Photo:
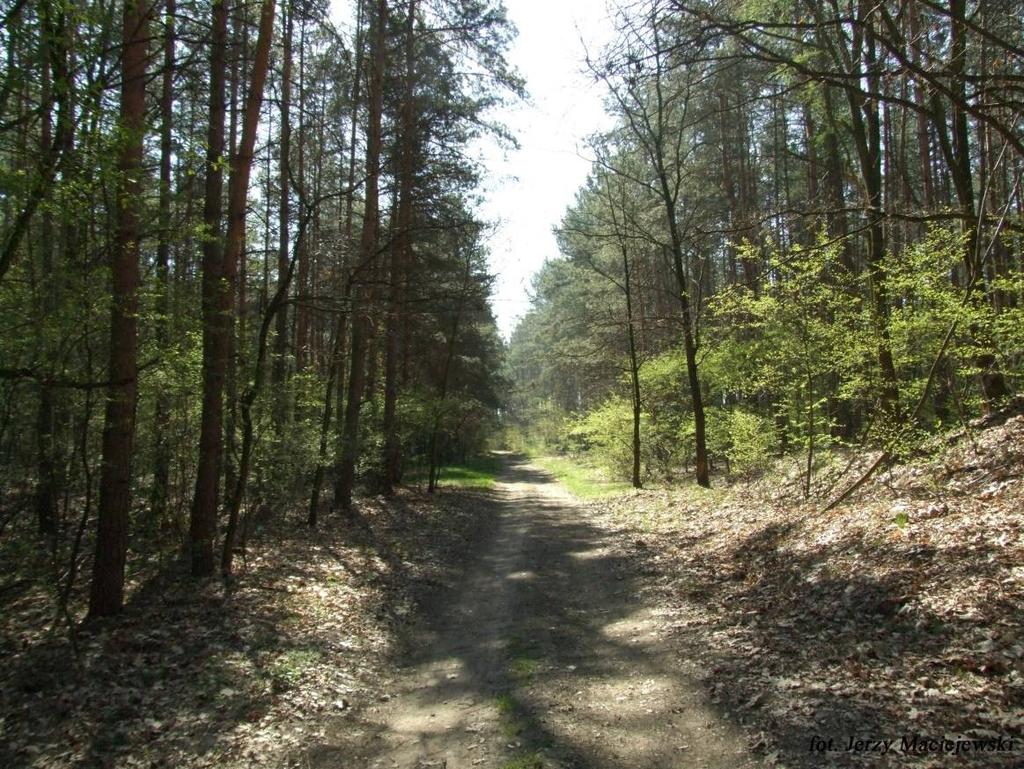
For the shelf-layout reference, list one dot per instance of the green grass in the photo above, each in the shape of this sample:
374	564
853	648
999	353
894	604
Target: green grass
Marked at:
523	667
508	713
531	761
506	705
477	473
287	671
584	481
523	660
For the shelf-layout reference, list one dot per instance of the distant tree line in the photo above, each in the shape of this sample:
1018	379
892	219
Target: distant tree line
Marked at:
804	229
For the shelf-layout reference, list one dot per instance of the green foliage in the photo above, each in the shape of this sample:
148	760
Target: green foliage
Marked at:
479	472
538	427
751	440
531	761
931	304
581	478
794	340
605	433
287	671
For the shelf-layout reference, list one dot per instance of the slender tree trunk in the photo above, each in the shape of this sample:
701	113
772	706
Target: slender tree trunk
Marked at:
652	127
957	152
400	255
334	373
238	189
53	26
634	362
346	269
701	466
346	470
203	521
46	446
866	128
433	476
634	371
283	213
838	223
239	52
302	248
162	408
236	493
107	590
349	455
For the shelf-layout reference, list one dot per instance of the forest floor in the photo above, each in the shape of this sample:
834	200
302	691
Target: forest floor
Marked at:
519	628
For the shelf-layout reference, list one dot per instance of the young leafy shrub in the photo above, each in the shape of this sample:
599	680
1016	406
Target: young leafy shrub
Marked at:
668	428
286	451
806	343
930	304
539	427
751	441
606	434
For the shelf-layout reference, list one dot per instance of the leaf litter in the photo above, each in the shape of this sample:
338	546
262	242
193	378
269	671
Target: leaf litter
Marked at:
896	614
245	674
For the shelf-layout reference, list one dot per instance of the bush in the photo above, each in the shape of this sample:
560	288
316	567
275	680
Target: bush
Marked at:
606	434
751	441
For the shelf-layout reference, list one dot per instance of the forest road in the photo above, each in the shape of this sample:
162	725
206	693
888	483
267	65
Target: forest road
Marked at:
544	656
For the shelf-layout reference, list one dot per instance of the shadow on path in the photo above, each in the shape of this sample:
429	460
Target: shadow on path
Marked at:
541	655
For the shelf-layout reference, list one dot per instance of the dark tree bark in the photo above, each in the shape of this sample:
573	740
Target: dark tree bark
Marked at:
107	590
634	361
346	469
401	252
46	446
661	137
344	314
162	410
238	189
334	374
54	28
279	371
203	521
956	148
867	138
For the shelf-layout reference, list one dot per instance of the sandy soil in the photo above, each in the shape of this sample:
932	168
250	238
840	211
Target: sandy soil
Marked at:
543	655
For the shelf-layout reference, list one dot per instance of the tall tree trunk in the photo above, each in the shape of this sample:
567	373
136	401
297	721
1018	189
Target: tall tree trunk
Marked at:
236	494
345	480
400	255
866	131
345	313
162	408
634	361
302	241
107	590
838	224
634	369
203	521
283	214
238	189
46	446
958	157
701	465
238	52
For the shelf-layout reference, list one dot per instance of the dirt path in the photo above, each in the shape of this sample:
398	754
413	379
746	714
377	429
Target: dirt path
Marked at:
543	656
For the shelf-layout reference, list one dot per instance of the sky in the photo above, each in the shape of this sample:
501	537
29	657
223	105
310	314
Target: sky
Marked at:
527	190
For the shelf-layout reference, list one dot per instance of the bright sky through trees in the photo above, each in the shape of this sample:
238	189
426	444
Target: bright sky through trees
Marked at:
528	190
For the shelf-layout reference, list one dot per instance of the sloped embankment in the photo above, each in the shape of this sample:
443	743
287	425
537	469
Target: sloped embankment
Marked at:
895	616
